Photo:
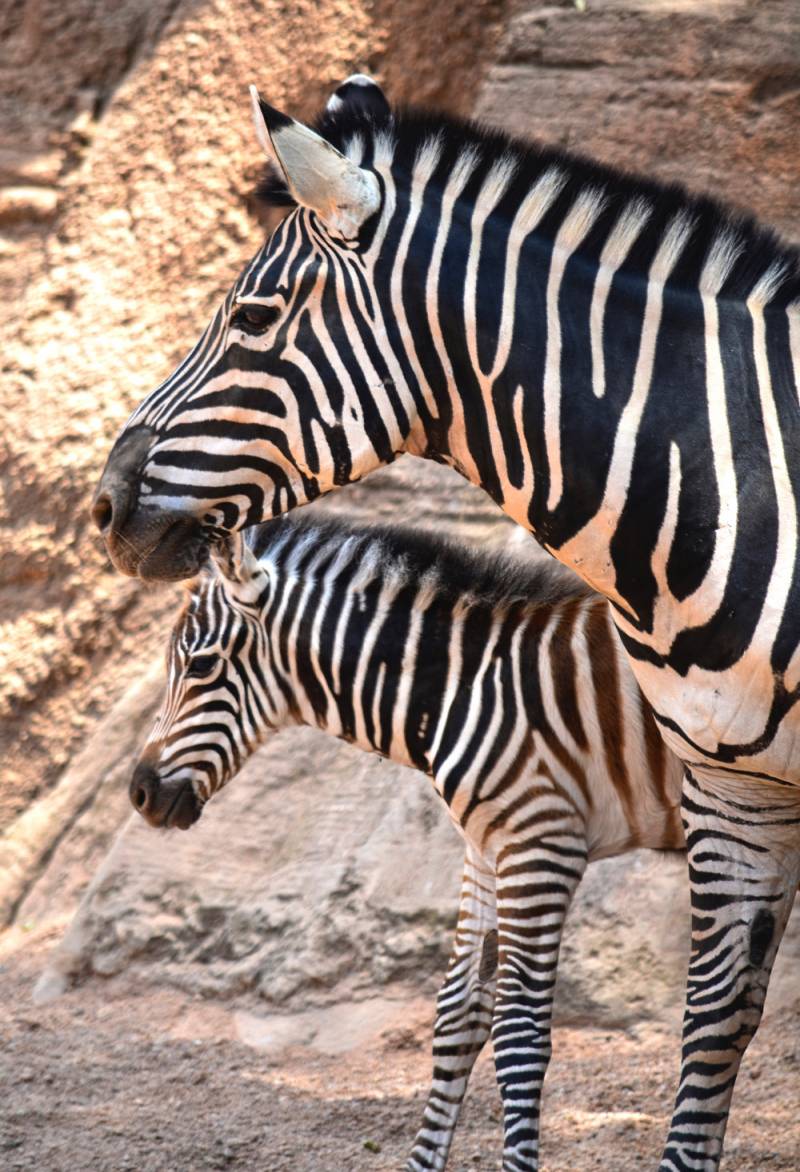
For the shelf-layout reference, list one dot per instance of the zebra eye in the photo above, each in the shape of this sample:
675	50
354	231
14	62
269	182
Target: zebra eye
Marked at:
201	665
254	319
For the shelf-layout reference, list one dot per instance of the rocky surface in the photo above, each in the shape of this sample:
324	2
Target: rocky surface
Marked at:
322	874
707	94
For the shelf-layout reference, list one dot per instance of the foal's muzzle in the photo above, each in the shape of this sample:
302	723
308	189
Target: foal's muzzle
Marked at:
163	803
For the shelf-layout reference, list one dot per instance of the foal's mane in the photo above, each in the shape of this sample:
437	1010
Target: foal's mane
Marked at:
456	570
761	254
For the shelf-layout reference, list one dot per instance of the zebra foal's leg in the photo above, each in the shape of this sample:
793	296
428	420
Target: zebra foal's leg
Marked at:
535	885
463	1017
744	863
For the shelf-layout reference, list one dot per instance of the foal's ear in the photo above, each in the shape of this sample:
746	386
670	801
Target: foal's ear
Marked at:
342	194
240	569
227	554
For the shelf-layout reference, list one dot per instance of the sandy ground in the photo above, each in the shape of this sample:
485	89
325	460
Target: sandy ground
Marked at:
114	1077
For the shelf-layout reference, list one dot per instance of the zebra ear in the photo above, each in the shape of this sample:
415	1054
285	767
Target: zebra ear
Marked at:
238	566
227	553
342	194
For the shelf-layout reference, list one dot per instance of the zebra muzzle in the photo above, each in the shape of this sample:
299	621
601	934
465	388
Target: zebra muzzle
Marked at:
143	540
166	804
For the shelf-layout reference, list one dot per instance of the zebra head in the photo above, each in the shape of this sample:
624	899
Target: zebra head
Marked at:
290	391
221	698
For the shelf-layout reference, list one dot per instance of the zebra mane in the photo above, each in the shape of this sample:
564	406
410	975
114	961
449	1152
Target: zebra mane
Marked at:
453	569
760	259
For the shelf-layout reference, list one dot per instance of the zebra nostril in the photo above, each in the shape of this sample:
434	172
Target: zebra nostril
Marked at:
103	512
144	790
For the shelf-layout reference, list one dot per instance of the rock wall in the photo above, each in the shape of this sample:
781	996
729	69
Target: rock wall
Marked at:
322	874
707	94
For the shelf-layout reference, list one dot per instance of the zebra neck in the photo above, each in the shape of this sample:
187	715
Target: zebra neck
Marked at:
606	396
345	655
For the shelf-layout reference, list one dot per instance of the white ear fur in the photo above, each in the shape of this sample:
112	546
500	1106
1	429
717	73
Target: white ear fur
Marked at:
241	572
227	555
260	126
342	194
250	567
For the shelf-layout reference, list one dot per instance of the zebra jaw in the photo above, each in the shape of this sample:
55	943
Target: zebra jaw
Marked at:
319	177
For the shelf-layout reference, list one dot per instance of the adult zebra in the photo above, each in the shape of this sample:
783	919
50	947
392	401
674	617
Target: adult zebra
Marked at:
502	681
617	364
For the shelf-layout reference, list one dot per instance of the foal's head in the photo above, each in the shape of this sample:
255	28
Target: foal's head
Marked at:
220	699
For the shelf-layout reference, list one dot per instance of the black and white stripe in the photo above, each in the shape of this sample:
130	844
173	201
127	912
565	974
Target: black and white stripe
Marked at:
616	362
505	684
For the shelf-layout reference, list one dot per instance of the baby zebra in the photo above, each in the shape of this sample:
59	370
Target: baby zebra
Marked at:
504	682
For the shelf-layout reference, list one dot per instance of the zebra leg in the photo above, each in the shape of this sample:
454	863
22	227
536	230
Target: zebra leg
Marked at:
463	1017
744	862
535	885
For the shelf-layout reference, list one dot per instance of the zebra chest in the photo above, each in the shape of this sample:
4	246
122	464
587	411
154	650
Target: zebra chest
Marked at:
721	665
745	719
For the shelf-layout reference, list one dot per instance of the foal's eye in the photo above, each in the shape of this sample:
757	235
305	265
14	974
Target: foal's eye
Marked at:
201	665
253	318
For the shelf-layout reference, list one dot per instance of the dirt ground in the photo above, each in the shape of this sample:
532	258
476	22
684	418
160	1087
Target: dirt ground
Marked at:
116	1076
